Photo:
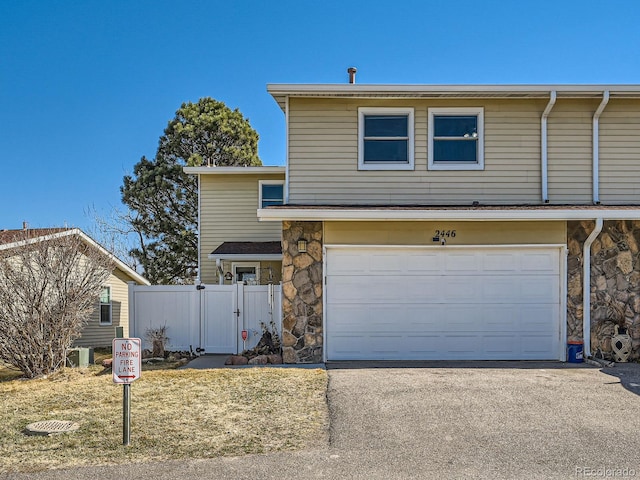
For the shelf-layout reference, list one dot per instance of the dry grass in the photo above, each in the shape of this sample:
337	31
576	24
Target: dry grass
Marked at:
174	414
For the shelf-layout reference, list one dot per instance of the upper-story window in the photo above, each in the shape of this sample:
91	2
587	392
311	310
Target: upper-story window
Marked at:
456	138
105	306
271	193
385	138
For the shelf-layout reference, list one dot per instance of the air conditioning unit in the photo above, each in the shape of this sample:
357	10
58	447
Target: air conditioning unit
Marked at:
79	357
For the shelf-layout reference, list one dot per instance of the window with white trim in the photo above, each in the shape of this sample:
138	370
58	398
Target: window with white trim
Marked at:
385	138
456	138
271	193
105	306
246	272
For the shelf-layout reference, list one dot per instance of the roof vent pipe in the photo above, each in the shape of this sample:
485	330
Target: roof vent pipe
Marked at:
352	74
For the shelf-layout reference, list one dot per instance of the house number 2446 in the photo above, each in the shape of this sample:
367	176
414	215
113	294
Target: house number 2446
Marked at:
445	233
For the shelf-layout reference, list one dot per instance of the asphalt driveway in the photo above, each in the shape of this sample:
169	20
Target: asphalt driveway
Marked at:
455	420
487	420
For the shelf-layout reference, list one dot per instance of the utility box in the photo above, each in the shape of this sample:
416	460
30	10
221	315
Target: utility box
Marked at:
79	357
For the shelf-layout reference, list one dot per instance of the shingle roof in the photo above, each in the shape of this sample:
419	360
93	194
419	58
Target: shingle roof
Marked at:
248	248
10	236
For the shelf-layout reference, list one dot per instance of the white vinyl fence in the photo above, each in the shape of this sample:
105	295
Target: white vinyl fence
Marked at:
206	317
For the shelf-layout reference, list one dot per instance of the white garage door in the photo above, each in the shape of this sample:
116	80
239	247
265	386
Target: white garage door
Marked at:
452	303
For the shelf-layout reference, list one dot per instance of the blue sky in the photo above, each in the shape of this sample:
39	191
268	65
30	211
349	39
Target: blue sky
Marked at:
87	87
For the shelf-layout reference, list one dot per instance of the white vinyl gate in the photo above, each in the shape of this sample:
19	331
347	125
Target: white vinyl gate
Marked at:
208	317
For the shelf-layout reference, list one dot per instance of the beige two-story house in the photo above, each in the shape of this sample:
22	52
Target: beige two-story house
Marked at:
233	245
452	221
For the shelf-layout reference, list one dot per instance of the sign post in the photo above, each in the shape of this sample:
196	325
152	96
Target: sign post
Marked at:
126	367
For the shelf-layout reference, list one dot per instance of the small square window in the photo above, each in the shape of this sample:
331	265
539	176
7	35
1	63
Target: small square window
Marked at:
105	306
456	139
385	139
271	193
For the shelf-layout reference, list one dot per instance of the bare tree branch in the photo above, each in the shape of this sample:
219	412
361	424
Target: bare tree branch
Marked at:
48	291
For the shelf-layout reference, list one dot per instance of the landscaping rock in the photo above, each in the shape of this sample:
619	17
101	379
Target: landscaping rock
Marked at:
259	360
274	359
236	360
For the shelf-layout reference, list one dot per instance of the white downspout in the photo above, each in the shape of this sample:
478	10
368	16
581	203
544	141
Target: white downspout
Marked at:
286	150
199	276
596	147
586	287
543	147
220	271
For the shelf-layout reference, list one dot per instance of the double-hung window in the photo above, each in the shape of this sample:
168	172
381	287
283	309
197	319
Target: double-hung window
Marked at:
105	306
456	139
271	193
385	138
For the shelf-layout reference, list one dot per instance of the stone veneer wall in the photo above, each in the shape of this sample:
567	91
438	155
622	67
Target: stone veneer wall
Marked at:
302	293
615	280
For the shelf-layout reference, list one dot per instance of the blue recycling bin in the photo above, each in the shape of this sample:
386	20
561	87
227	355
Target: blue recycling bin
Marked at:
575	352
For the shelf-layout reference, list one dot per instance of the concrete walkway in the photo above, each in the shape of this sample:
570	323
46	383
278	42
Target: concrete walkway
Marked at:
489	420
217	361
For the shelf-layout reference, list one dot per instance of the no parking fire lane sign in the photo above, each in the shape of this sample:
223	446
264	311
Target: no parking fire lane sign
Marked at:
127	359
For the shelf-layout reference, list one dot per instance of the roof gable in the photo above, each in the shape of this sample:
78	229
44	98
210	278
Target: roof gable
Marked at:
15	238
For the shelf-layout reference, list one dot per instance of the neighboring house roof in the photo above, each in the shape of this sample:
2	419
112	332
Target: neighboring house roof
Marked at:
467	213
10	236
235	170
281	92
16	238
248	251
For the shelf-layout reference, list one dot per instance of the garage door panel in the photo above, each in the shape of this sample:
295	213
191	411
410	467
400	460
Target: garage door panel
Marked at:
348	318
386	264
346	263
500	262
385	319
425	263
462	262
366	289
461	346
426	289
460	318
540	262
533	345
501	318
484	303
460	289
347	347
538	318
501	346
498	289
421	346
421	319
